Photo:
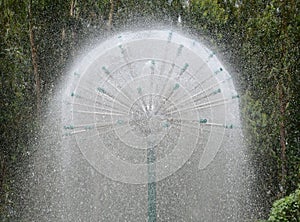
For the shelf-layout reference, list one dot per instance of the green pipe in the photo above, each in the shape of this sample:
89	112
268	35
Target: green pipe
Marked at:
151	183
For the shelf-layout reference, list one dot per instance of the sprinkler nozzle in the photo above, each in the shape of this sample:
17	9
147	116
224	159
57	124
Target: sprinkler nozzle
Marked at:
203	121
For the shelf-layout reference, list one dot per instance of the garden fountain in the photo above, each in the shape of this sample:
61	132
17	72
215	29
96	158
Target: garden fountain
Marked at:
150	132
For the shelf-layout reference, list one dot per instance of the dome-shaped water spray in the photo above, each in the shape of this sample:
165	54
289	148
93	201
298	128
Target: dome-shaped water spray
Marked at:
149	90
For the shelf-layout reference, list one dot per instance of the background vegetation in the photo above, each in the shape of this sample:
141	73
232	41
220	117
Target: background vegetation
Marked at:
259	38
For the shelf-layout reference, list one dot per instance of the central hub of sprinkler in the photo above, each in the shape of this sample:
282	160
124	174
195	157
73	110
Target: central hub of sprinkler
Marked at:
148	115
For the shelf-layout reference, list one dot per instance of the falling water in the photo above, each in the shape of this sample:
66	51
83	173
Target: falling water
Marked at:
145	127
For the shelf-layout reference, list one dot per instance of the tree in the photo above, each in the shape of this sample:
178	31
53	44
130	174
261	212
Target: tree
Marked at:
15	100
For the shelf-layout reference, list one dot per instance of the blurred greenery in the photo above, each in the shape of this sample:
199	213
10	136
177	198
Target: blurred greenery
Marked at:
259	38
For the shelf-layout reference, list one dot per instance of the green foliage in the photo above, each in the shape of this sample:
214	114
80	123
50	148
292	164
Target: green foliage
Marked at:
272	67
262	139
210	11
261	39
16	98
208	17
286	209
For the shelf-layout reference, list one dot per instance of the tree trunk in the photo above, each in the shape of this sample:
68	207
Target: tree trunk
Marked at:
110	16
72	7
2	176
282	104
283	97
34	61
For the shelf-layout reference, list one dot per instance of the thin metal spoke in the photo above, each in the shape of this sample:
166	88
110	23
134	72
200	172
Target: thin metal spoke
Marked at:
97	113
124	52
100	108
202	106
178	102
101	104
111	98
103	132
170	72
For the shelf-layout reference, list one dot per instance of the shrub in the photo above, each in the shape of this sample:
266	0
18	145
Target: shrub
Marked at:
286	209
